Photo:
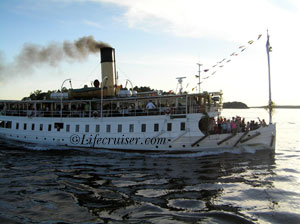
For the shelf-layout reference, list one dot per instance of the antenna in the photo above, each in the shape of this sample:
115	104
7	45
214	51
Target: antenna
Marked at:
180	84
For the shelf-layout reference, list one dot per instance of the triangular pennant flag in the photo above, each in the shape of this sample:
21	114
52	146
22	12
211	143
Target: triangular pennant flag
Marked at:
250	42
206	70
259	36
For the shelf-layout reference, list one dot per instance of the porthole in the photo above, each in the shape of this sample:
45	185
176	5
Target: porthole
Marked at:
170	146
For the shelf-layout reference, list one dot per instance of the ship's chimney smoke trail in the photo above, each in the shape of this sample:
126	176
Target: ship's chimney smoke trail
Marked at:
32	55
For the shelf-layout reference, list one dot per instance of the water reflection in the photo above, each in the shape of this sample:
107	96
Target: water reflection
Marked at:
89	186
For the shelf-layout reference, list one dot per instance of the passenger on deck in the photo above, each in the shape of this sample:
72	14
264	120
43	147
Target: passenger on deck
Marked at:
224	126
248	126
262	122
150	105
233	126
228	126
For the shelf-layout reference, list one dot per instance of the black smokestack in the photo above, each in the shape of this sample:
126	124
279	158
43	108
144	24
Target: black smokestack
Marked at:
33	55
107	54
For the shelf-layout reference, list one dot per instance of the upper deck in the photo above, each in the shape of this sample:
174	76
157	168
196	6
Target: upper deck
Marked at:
115	107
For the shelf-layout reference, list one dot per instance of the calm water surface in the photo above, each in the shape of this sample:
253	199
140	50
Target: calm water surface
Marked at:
75	186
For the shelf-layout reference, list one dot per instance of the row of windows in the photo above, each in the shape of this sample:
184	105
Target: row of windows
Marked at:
59	126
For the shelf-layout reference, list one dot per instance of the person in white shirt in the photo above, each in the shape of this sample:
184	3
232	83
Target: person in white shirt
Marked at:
150	105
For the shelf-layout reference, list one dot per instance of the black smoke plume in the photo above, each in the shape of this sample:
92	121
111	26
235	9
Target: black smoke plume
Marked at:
33	55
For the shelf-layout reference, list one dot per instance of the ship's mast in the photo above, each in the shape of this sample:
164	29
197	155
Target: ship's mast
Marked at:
199	76
269	49
180	84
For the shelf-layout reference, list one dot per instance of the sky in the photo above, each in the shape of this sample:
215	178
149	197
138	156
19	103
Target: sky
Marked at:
157	41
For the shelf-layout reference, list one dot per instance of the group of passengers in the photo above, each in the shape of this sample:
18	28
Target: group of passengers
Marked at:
235	125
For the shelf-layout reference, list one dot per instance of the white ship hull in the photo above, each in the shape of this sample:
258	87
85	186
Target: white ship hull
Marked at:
163	133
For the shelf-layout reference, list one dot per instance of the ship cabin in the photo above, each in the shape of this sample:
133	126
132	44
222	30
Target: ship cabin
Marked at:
171	104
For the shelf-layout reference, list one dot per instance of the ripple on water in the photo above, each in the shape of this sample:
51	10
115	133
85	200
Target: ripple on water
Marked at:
186	204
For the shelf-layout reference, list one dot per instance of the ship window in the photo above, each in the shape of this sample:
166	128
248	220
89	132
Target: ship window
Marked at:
8	124
182	126
119	128
49	127
32	127
97	128
169	127
143	128
58	126
131	128
67	128
25	126
108	128
156	127
87	128
1	124
41	127
17	125
77	128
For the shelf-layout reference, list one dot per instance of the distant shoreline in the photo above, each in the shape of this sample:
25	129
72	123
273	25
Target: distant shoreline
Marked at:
240	105
279	107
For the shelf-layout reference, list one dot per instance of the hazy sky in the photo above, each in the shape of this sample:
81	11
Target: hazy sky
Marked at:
157	41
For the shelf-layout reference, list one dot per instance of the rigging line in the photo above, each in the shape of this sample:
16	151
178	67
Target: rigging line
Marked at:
91	73
123	73
241	49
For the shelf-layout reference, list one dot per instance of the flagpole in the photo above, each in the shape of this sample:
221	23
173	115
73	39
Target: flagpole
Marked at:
269	75
199	75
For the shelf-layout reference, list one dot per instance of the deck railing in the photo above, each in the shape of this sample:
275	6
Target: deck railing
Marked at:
174	104
111	113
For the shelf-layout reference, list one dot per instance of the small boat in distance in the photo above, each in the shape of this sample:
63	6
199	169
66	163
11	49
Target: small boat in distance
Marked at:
107	116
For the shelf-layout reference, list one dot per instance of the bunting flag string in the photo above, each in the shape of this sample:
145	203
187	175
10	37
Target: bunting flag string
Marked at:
220	64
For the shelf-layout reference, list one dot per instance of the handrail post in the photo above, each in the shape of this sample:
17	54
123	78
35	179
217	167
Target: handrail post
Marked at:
186	104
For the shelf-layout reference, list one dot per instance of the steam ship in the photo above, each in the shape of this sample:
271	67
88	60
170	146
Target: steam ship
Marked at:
108	117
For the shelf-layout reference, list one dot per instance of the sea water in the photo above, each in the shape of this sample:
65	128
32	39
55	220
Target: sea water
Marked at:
38	185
